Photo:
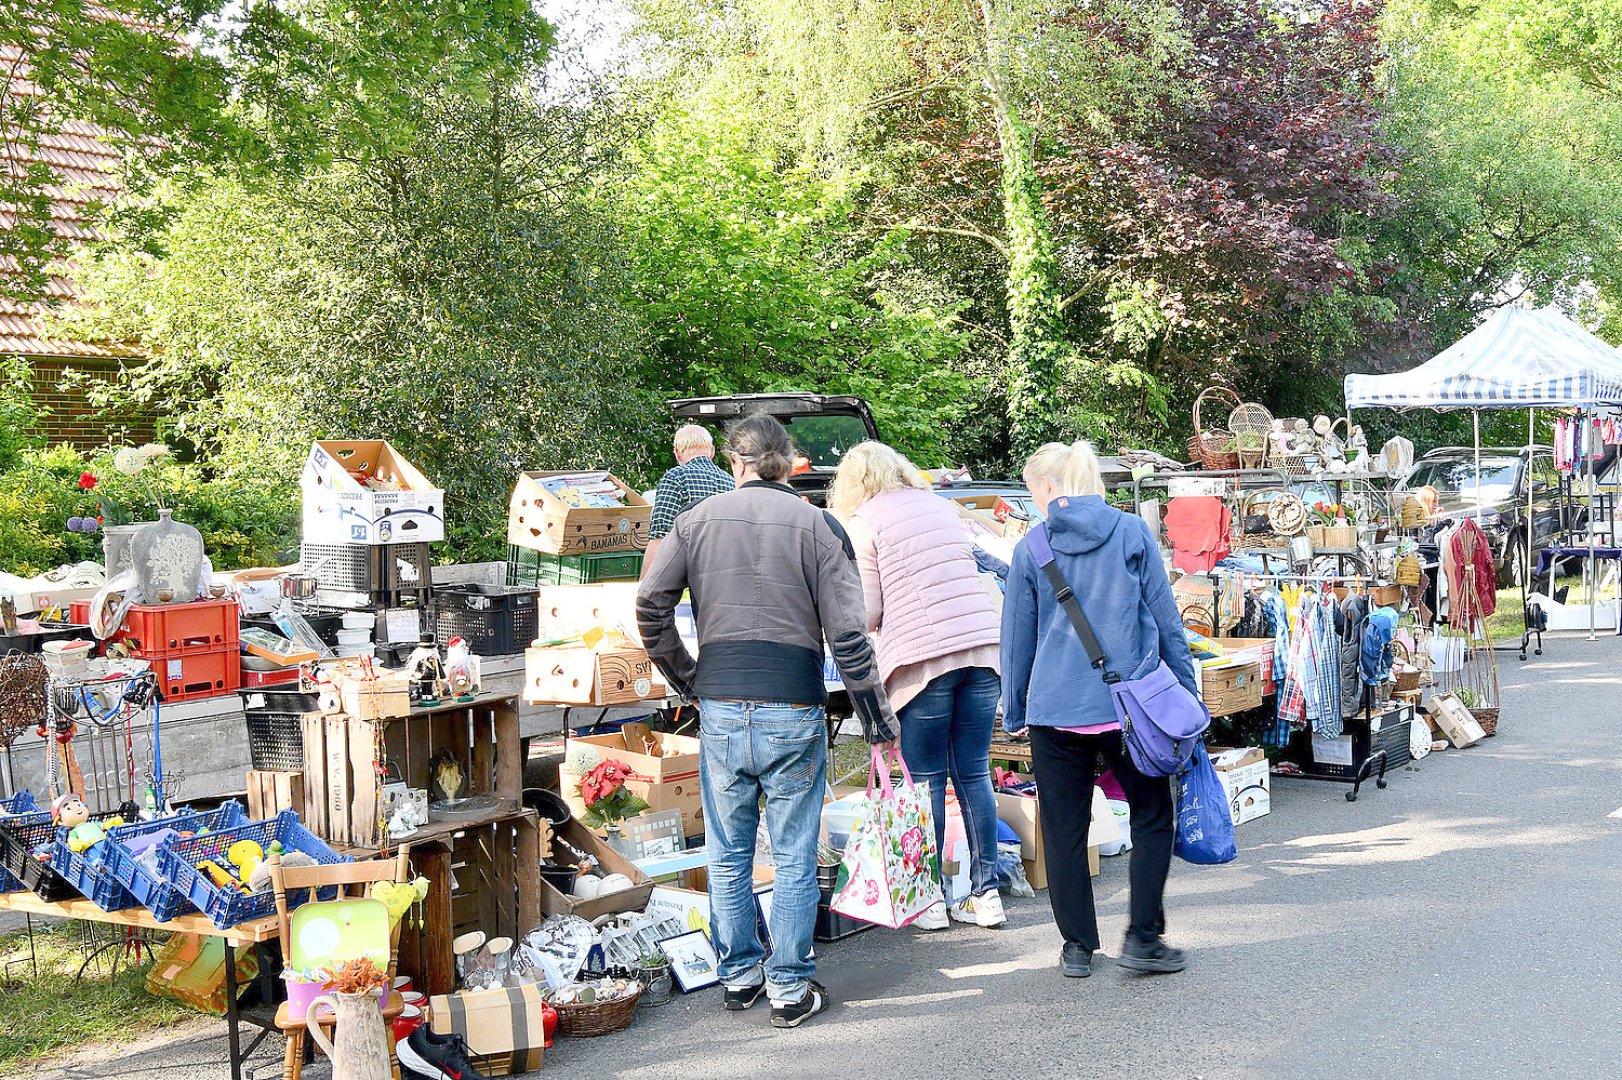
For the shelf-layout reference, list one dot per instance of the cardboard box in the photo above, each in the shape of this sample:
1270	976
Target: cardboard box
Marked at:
1246	779
609	862
679	758
538	519
1455	721
502	1027
340	509
568	610
576	675
1021	815
1257	651
386	694
1230	688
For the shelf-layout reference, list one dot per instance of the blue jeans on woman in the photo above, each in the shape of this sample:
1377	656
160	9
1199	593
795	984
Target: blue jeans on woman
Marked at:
750	749
946	731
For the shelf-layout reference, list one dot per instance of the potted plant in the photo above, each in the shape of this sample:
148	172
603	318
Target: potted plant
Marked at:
608	801
653	972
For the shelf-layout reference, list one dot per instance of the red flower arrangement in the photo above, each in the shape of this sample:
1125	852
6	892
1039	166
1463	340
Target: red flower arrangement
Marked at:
607	800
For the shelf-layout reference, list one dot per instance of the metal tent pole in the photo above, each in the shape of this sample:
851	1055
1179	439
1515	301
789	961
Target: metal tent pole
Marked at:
1593	486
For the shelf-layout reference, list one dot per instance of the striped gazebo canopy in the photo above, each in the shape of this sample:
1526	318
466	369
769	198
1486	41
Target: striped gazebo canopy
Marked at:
1517	358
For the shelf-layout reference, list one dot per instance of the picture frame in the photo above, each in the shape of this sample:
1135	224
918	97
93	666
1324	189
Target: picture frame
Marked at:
692	960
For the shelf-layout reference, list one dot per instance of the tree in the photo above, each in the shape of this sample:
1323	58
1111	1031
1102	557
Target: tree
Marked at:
443	297
260	85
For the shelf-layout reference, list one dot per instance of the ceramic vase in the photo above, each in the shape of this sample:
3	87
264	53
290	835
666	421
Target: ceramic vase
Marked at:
115	545
359	1049
168	561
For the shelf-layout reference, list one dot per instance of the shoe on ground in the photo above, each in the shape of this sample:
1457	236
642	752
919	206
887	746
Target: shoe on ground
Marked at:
1075	961
743	998
437	1057
934	917
983	910
1152	958
816	1000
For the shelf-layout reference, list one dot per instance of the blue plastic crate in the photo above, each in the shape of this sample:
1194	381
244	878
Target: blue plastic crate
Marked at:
20	803
25	837
148	887
226	907
93	880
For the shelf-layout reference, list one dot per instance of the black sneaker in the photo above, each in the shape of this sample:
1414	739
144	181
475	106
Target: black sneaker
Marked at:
1075	961
744	997
816	1000
1153	958
437	1057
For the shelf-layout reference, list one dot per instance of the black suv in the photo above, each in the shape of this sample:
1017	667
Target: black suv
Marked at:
823	427
1508	475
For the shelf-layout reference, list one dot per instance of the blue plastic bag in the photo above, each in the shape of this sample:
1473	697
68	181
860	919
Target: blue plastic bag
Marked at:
1204	820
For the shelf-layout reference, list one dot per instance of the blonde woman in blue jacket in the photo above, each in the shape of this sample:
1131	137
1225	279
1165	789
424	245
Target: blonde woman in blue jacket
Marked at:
1112	563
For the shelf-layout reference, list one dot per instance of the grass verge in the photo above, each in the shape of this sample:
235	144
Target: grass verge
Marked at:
49	1014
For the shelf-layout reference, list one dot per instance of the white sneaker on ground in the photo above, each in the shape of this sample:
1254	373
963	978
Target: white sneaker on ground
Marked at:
983	910
934	917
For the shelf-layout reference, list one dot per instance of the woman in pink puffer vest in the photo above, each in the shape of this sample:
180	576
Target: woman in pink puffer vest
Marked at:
936	634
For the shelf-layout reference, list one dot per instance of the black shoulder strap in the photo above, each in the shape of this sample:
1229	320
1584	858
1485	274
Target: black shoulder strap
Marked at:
1037	539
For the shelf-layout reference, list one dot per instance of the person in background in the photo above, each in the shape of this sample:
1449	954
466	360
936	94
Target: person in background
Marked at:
936	635
695	478
1112	563
775	577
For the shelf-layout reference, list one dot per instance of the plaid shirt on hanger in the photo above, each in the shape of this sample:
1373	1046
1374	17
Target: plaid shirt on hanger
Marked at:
1277	620
1322	690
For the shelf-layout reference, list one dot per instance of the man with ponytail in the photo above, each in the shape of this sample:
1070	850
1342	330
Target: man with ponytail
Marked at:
771	578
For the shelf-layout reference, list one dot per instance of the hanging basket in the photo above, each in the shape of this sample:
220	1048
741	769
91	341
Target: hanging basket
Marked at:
1214	448
1408	570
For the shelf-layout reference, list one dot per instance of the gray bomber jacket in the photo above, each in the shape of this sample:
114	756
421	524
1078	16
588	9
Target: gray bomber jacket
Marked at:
771	577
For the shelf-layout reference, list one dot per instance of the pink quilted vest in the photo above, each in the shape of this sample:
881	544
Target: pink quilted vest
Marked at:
934	603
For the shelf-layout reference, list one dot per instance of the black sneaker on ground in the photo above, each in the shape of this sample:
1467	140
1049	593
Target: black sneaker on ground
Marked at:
743	998
1075	961
790	1016
437	1057
1153	958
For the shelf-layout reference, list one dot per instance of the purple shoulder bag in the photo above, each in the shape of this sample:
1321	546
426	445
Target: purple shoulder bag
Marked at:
1161	722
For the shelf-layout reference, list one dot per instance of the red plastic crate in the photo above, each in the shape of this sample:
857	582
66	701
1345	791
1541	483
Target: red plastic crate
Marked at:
168	630
251	679
187	676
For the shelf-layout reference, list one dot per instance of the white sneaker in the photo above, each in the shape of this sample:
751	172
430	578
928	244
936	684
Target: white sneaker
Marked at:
983	910
934	917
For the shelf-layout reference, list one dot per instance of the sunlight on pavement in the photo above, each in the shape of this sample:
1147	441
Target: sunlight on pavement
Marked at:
915	999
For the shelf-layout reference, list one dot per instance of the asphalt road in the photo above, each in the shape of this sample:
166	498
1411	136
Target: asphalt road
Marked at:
1461	923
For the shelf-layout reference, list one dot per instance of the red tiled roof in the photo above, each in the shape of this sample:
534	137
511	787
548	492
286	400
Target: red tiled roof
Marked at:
85	169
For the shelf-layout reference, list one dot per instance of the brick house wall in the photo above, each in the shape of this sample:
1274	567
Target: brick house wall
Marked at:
69	417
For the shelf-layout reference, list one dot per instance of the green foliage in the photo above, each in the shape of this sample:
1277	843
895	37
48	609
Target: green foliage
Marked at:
243	522
18	417
753	272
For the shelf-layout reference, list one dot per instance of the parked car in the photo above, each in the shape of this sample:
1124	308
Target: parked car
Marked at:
1508	475
823	427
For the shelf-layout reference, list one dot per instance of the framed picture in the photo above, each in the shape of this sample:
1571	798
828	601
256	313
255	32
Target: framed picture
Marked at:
692	960
763	900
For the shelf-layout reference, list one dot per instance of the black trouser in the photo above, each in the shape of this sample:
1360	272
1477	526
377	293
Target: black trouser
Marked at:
1067	765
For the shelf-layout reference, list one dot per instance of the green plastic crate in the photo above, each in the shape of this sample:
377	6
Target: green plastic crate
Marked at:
534	568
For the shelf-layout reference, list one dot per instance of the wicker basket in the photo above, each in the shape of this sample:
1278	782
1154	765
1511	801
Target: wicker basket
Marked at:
1487	718
1409	679
580	1021
1336	536
1214	449
1408	570
1413	514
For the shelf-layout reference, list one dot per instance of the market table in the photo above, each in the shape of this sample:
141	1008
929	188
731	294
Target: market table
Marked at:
254	932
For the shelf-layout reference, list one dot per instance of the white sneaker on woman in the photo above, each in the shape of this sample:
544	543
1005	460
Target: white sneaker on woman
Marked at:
934	917
983	910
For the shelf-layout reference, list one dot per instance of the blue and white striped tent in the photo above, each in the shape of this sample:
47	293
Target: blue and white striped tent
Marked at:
1517	358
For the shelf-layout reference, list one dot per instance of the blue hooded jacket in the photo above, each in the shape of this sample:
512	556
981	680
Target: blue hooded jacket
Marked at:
1112	562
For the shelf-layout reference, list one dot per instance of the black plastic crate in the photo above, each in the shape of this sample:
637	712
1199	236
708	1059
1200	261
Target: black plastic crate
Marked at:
48	631
20	837
1387	729
276	726
494	620
830	925
359	575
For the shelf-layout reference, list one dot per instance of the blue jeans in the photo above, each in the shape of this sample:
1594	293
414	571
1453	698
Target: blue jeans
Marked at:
753	748
946	730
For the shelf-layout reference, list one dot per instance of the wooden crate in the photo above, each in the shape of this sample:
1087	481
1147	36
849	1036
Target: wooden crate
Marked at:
481	877
581	676
341	762
270	791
